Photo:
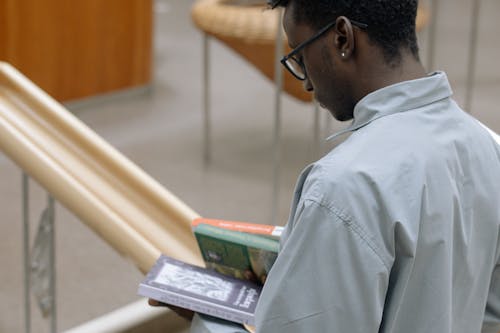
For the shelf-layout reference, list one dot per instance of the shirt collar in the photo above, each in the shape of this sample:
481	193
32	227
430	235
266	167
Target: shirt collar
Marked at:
399	97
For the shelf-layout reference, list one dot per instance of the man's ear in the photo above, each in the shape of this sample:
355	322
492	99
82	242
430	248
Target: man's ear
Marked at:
344	42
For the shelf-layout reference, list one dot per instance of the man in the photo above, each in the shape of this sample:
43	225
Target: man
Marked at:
398	228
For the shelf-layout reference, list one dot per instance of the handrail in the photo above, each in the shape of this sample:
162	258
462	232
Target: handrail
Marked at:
131	211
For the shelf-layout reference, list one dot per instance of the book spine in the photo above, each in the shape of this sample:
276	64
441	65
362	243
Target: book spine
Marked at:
197	305
245	239
251	228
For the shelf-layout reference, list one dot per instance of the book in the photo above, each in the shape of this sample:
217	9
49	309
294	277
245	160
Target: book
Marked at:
201	290
239	254
271	231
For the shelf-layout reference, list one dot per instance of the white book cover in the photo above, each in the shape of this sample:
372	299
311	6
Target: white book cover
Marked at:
201	290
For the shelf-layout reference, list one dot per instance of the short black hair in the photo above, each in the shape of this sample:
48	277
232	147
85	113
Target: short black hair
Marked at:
391	23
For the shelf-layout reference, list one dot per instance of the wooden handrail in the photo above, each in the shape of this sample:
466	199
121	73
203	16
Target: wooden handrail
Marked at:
131	211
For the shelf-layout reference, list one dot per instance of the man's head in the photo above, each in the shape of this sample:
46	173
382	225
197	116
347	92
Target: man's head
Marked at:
366	40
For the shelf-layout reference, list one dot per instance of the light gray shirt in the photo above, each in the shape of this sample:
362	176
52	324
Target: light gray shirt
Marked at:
398	228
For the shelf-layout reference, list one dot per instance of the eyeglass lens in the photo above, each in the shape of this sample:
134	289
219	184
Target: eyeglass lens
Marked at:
296	68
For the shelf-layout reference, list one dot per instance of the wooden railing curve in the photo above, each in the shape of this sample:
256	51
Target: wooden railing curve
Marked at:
127	208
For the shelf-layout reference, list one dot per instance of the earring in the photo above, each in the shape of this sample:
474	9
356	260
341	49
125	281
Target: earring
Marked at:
343	54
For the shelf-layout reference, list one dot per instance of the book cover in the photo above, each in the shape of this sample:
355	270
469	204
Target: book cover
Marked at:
201	290
236	253
271	231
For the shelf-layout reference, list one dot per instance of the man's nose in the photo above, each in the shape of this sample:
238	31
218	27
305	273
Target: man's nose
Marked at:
307	85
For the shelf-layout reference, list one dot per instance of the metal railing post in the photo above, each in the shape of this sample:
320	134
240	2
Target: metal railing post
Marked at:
26	253
207	144
431	45
52	263
471	66
317	146
278	80
34	262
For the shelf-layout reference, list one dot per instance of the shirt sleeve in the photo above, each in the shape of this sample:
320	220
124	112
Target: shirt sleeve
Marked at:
492	314
328	278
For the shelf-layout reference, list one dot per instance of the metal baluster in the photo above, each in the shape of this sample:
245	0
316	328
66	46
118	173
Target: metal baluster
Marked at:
42	265
317	146
278	79
471	67
327	130
53	317
207	144
26	253
432	35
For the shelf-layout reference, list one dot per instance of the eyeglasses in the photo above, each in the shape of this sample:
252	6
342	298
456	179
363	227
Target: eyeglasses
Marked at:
295	65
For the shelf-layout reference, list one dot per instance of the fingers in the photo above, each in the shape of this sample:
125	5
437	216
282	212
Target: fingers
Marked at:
154	302
184	313
250	275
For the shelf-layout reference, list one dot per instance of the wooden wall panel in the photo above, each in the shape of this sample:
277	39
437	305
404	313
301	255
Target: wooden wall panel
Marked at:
75	49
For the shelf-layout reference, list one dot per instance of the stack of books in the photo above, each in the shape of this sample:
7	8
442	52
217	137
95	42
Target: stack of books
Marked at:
238	257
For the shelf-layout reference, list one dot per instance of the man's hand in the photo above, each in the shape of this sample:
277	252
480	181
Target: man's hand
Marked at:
184	313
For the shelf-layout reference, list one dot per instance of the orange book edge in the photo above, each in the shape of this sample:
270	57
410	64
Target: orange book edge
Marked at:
252	228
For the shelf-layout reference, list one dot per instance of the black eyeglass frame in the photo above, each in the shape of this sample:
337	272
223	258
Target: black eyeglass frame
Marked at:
307	42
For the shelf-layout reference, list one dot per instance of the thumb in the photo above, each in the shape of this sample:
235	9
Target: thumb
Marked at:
153	302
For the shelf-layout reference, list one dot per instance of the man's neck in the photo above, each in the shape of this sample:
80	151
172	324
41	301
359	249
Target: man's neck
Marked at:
379	75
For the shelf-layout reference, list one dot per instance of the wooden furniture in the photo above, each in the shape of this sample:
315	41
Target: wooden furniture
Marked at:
76	49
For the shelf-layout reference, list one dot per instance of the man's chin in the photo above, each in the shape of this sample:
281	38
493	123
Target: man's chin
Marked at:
340	116
321	104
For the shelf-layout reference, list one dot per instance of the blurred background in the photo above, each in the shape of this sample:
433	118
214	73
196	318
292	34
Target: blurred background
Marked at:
132	70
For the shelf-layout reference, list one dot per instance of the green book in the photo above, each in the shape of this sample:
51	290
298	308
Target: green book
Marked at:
235	253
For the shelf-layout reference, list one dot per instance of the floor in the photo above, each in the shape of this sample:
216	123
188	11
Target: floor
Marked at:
161	131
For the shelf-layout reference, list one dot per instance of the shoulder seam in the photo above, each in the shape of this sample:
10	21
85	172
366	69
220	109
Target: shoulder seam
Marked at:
349	223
